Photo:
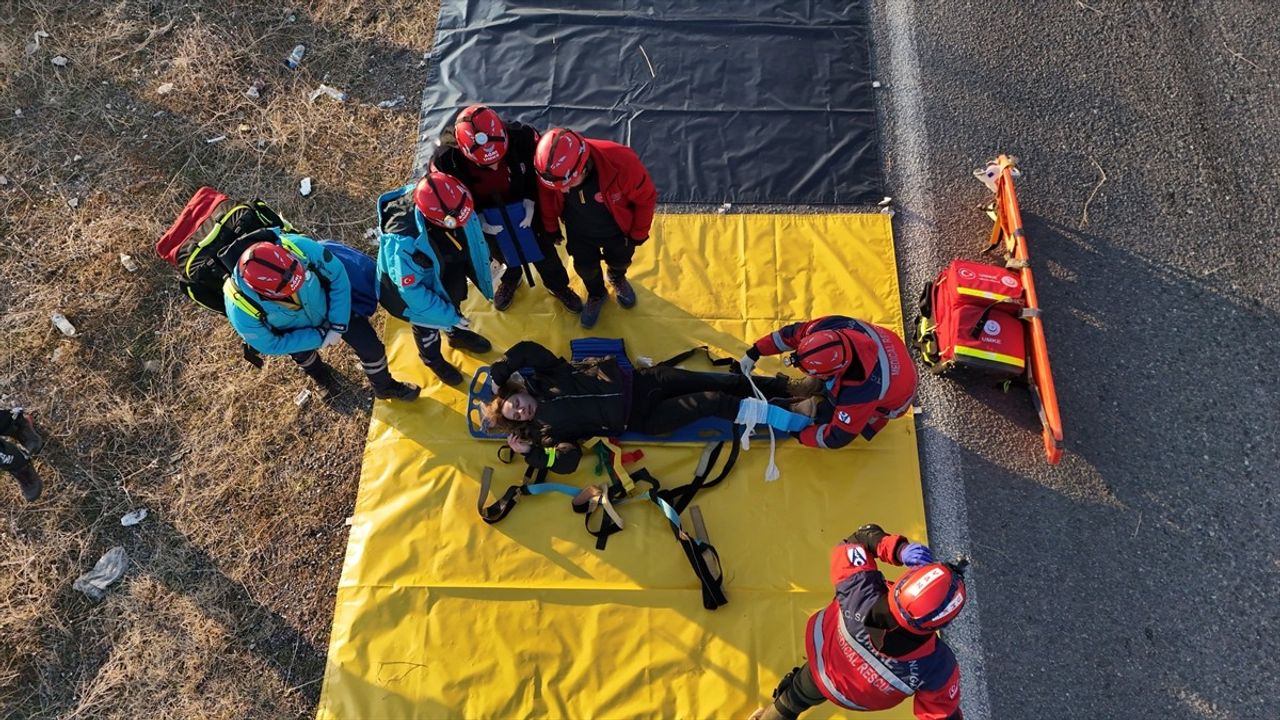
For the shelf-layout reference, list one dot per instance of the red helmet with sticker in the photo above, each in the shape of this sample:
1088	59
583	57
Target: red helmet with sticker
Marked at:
560	158
272	271
481	135
443	200
928	597
835	353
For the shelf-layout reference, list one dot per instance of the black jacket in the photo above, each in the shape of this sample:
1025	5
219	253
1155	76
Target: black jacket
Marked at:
522	141
576	401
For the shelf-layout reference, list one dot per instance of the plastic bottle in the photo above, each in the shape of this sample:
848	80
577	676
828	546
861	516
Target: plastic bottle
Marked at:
63	324
295	57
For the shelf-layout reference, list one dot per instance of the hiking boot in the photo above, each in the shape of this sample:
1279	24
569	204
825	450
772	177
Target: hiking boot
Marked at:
320	371
448	374
505	294
807	407
27	435
396	390
622	290
807	386
591	311
29	482
568	298
467	341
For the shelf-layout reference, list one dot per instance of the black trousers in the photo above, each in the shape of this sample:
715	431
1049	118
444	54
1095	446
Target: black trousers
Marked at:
588	252
550	268
666	398
13	456
797	692
360	336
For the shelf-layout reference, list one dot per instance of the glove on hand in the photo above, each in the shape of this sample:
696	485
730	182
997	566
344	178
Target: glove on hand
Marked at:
528	213
490	229
747	364
330	338
915	555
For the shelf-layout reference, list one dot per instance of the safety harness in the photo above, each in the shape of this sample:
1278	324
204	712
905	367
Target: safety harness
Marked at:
599	502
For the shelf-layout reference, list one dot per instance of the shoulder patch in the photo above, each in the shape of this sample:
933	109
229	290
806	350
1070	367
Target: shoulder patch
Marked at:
857	555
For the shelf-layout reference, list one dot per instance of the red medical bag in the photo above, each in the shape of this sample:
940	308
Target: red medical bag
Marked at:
969	318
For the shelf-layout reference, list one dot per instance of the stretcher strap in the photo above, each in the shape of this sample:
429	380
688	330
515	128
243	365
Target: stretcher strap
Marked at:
771	471
595	502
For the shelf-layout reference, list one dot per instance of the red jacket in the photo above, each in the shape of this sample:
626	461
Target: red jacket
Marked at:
862	406
846	664
625	187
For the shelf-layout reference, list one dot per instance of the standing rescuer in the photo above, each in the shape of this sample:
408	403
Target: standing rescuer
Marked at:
290	295
604	196
869	374
16	456
495	161
876	644
431	246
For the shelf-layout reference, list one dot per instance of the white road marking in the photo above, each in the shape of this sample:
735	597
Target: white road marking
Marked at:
918	244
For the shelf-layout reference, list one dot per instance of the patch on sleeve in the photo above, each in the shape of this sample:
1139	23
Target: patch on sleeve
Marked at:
857	555
407	280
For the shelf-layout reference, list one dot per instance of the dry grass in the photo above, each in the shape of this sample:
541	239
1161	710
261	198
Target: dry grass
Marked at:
226	607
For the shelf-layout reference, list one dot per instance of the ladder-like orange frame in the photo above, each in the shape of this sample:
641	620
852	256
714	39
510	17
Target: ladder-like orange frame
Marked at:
1008	227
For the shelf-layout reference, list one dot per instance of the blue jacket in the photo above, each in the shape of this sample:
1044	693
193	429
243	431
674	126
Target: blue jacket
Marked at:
420	287
275	328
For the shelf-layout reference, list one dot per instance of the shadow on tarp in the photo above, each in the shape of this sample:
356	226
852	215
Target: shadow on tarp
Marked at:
705	93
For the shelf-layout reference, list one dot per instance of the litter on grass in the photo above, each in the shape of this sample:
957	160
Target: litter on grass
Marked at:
133	518
109	568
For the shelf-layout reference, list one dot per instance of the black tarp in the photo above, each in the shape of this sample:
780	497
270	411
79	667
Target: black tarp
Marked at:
747	101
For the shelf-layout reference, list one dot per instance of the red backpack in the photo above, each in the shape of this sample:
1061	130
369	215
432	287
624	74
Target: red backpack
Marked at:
207	238
970	318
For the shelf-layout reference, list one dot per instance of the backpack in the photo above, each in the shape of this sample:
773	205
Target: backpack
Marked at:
970	318
206	240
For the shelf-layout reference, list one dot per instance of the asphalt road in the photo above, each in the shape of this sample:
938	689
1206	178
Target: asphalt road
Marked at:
1139	578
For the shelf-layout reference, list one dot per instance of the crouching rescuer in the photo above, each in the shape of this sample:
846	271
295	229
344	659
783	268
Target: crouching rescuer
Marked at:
866	368
290	295
876	644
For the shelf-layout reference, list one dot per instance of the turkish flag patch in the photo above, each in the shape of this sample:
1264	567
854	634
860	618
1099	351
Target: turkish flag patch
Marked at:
406	281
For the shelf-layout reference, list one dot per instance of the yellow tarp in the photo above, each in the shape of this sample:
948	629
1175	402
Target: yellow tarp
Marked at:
440	615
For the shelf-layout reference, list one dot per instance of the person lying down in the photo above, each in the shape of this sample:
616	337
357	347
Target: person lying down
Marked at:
548	413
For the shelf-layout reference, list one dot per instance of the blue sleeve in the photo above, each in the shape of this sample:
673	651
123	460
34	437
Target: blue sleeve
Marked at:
425	301
335	275
259	336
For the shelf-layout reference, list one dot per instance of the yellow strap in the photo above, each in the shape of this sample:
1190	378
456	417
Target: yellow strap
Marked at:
615	453
217	228
984	294
993	356
240	301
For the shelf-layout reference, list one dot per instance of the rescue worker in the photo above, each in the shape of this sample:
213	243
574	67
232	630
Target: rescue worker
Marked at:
565	403
290	295
604	196
876	644
16	456
495	161
869	375
431	246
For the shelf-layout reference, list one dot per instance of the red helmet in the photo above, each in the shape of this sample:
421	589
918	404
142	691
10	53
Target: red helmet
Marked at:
481	136
272	271
443	200
561	156
928	597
